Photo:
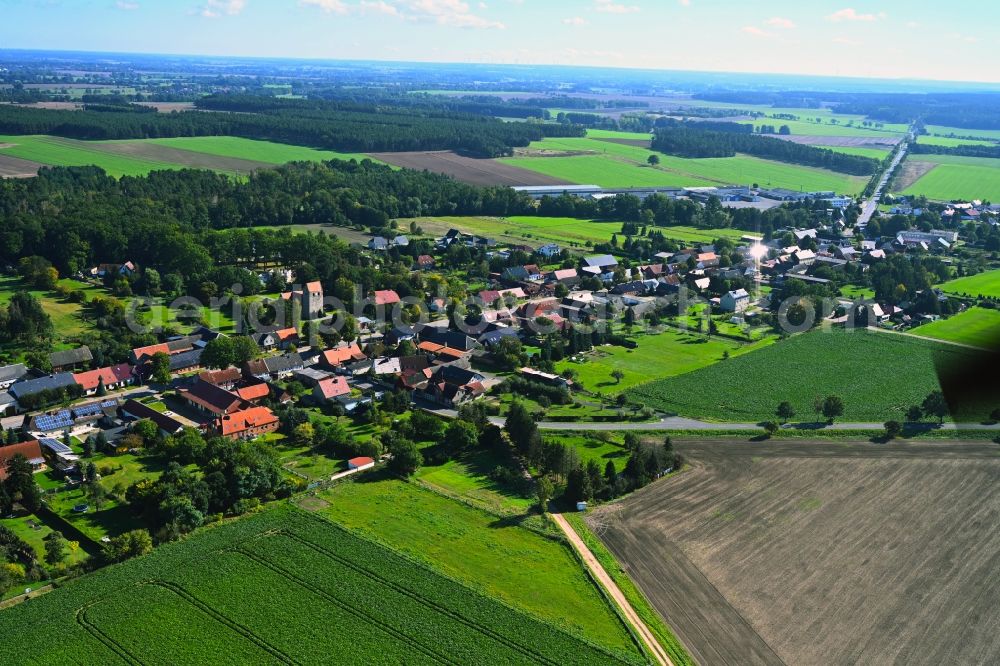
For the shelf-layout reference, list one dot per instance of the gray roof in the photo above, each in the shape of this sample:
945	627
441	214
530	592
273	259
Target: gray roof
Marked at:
71	357
10	373
283	363
600	260
187	359
33	386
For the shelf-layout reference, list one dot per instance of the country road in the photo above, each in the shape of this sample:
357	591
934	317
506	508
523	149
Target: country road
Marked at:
608	583
871	205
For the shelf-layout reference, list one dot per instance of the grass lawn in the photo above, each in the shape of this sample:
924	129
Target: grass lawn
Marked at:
468	478
67	318
951	142
973	178
814	364
593	161
658	356
34	531
976	326
826	128
591	446
567	231
160	316
855	292
251	149
520	566
983	284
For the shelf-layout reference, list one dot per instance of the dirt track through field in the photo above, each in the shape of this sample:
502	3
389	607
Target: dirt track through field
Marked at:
605	581
15	167
467	169
820	552
910	172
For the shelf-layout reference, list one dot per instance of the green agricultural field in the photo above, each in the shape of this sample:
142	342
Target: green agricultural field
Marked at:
878	375
984	284
951	142
958	177
522	567
55	151
826	128
613	134
282	586
978	327
608	164
257	151
468	478
658	356
567	231
963	132
874	153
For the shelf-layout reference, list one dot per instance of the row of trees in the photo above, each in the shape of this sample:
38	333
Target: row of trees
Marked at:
691	141
346	126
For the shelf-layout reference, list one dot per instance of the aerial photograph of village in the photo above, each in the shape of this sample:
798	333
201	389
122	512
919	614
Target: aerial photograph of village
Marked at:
551	332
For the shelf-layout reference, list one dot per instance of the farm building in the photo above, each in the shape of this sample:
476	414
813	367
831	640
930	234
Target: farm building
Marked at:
113	378
360	463
247	423
70	359
31	451
10	374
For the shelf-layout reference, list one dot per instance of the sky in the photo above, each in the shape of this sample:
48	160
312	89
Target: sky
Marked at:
859	38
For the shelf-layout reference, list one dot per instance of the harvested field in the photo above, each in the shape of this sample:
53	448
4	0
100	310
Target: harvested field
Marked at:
175	156
846	141
910	172
819	552
468	169
15	167
641	143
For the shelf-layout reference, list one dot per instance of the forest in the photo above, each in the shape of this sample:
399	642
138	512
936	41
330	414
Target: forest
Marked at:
344	126
687	141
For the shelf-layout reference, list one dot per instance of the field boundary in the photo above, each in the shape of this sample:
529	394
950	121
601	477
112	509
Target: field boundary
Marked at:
611	588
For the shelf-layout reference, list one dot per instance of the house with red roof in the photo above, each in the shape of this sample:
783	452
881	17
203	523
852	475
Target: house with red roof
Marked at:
331	388
246	423
338	356
253	393
211	399
114	378
31	450
386	297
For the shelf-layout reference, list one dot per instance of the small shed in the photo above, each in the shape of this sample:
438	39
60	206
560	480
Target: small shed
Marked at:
360	463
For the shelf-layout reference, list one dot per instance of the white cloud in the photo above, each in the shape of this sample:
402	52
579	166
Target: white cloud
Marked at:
779	22
449	12
611	7
329	6
377	7
216	8
755	31
127	6
846	41
684	3
850	14
576	20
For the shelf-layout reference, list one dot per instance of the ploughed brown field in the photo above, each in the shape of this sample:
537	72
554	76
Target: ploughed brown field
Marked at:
15	167
468	169
821	552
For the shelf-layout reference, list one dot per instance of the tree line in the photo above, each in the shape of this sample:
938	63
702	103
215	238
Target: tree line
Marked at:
693	142
332	125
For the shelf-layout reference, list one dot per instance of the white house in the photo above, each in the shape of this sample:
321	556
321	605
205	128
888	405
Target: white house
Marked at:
735	301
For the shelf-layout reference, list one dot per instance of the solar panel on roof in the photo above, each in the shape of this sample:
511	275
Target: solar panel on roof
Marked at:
87	410
61	419
54	445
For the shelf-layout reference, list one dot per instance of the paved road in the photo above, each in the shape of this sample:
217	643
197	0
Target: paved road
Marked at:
608	583
871	205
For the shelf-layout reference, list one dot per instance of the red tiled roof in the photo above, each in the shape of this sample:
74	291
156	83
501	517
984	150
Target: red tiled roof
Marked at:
386	297
113	375
338	355
140	352
314	287
360	461
212	398
241	421
333	387
31	450
286	334
254	392
217	377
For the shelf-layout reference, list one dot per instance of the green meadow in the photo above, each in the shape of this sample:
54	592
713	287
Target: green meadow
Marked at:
958	177
56	151
985	284
251	149
608	164
978	327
